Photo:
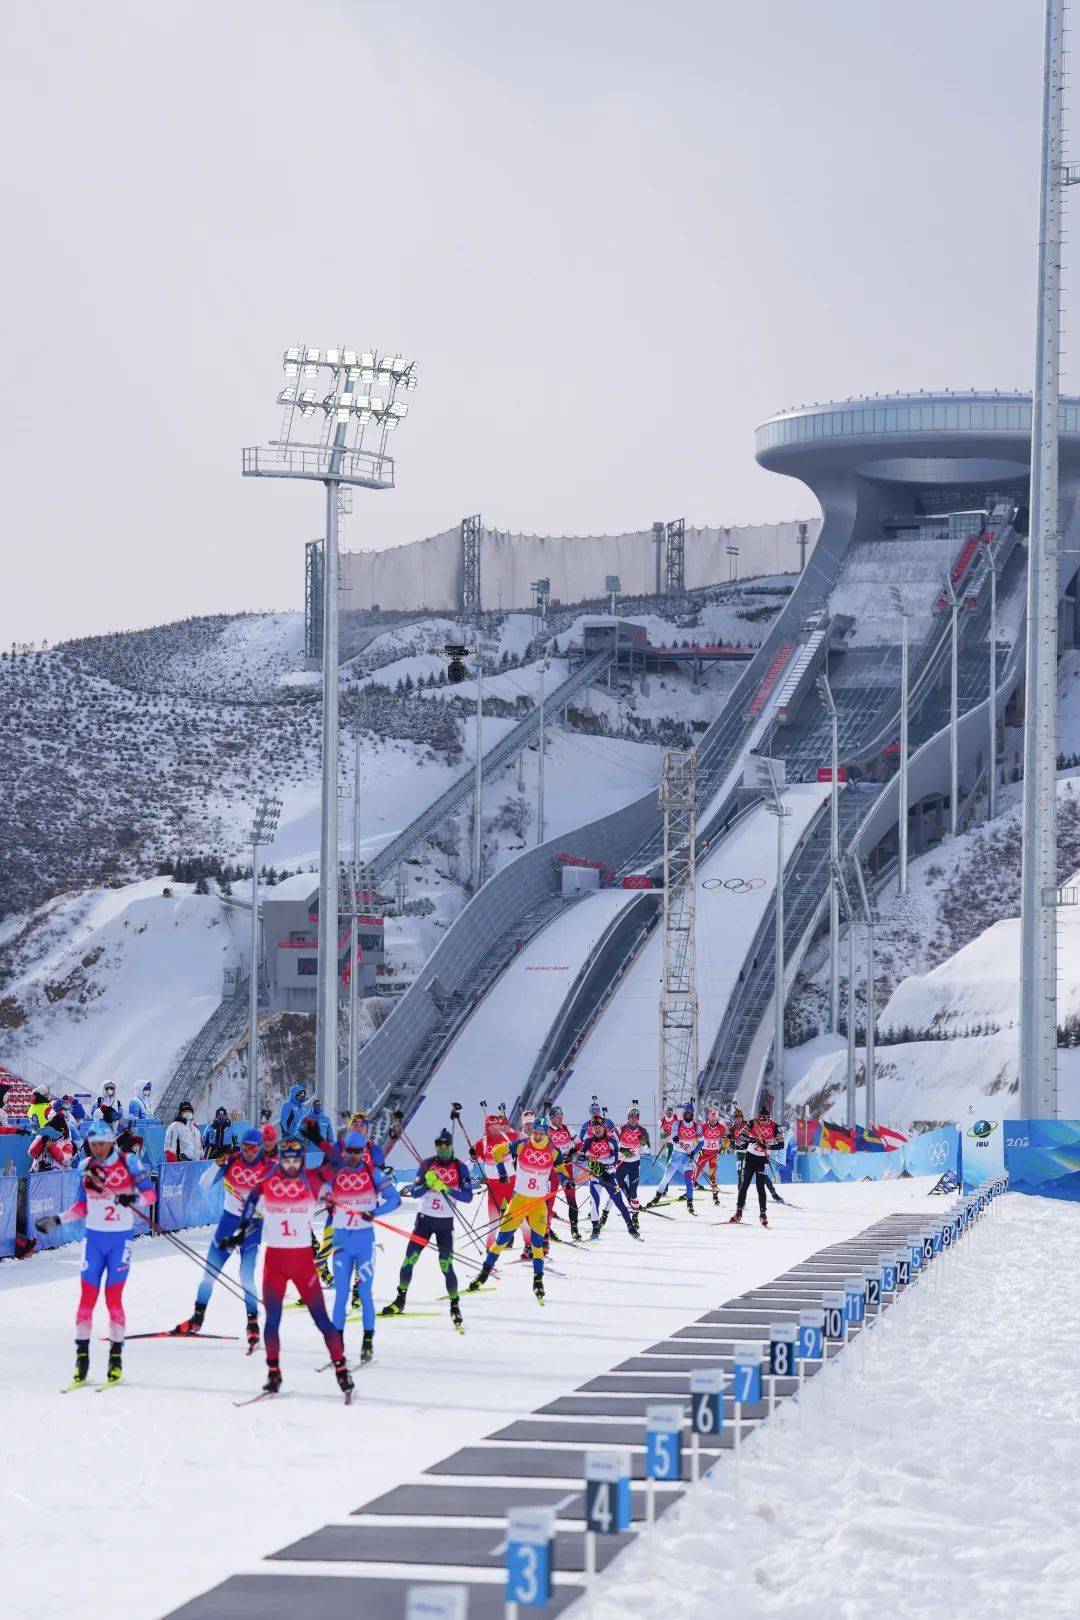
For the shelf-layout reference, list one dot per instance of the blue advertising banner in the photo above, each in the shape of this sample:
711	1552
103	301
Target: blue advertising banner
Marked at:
1042	1156
930	1154
183	1201
9	1205
14	1155
48	1192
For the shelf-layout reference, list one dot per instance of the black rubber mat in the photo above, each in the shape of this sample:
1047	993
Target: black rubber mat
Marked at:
463	1545
453	1500
569	1432
339	1597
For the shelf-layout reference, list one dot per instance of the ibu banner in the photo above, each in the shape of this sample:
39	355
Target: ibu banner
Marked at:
183	1200
49	1192
9	1206
983	1145
1042	1156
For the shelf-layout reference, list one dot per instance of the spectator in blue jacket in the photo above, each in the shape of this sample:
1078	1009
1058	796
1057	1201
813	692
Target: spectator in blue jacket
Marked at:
219	1136
292	1114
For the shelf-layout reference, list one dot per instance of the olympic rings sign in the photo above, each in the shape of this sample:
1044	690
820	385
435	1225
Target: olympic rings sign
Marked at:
734	885
937	1154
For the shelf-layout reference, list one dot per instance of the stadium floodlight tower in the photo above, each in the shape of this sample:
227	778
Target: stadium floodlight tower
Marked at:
902	825
351	400
834	855
263	827
954	705
1038	887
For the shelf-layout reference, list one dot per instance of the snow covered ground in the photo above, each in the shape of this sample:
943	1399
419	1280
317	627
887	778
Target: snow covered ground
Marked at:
938	1478
178	1489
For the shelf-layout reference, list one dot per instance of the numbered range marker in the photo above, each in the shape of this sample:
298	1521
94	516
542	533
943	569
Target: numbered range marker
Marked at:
783	1350
437	1603
855	1300
872	1279
746	1379
706	1402
663	1442
530	1534
811	1339
835	1318
607	1492
887	1267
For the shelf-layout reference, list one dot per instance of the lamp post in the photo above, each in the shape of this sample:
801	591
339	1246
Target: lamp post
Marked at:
353	398
478	808
834	856
871	1075
612	585
838	879
263	827
354	944
733	565
542	666
991	779
778	809
954	752
901	608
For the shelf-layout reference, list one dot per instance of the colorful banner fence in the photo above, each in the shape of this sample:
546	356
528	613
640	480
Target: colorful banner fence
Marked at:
1042	1156
928	1155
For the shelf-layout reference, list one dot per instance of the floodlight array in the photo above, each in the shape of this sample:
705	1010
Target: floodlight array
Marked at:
351	388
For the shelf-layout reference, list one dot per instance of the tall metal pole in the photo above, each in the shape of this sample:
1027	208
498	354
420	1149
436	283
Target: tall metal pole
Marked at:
904	732
326	1020
1038	943
354	944
253	991
991	779
478	820
838	879
834	856
871	1012
778	972
540	766
954	714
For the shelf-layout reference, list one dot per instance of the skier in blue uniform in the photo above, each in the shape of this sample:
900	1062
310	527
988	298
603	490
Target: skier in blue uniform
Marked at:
241	1172
359	1194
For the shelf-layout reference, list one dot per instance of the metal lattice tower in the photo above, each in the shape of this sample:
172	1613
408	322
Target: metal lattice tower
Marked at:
470	566
675	560
313	610
678	986
1038	916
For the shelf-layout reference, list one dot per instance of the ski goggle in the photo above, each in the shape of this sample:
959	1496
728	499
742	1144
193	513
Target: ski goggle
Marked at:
290	1150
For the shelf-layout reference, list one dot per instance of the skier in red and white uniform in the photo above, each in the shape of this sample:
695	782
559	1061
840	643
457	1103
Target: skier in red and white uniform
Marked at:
566	1141
761	1135
290	1196
492	1154
669	1119
714	1134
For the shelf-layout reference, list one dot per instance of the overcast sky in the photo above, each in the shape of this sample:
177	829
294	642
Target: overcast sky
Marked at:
615	234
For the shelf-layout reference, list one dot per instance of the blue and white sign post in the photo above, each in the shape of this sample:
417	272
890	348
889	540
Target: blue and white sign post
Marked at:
832	1305
783	1363
887	1265
530	1539
706	1417
872	1282
745	1391
914	1254
855	1310
437	1603
811	1347
663	1458
607	1503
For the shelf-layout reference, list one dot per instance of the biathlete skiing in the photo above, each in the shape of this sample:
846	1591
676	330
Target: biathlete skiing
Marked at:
111	1183
714	1135
601	1152
568	1145
358	1194
686	1145
633	1141
537	1161
290	1196
440	1182
240	1171
760	1136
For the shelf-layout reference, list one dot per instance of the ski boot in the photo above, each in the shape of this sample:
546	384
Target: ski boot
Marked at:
604	1216
344	1379
681	1198
116	1363
763	1218
354	1298
455	1316
396	1305
82	1361
194	1322
736	1218
635	1224
655	1199
690	1210
538	1289
595	1232
367	1349
478	1281
574	1232
252	1331
716	1198
273	1379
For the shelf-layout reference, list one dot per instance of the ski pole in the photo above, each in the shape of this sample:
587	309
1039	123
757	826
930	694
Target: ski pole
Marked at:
410	1237
202	1261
